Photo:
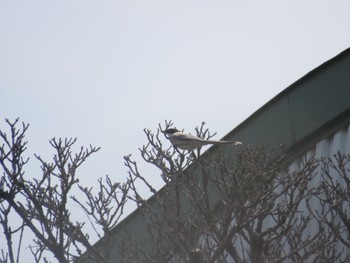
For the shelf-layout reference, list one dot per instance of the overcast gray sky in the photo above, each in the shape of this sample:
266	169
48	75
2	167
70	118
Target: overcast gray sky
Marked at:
102	71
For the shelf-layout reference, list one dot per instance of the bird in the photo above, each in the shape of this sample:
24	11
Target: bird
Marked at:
190	142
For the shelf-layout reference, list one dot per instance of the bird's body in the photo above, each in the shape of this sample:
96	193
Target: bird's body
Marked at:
189	142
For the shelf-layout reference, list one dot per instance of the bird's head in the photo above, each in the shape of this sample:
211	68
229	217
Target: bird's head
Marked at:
170	131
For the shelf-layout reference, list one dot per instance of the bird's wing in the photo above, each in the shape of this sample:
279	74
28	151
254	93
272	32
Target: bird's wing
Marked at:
186	137
186	141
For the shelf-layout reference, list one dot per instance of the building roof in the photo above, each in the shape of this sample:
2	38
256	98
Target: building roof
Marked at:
315	105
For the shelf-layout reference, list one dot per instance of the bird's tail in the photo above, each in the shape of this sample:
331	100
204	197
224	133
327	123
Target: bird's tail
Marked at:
225	142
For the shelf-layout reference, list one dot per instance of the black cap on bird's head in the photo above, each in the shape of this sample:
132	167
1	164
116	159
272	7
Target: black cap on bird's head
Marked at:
170	131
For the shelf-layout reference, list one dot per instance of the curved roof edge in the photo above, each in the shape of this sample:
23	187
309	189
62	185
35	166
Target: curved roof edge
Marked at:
315	105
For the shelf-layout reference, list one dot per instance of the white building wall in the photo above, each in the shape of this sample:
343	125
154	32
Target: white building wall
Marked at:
326	148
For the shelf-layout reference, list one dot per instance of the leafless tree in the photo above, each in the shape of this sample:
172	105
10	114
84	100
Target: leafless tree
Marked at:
232	205
42	204
334	203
